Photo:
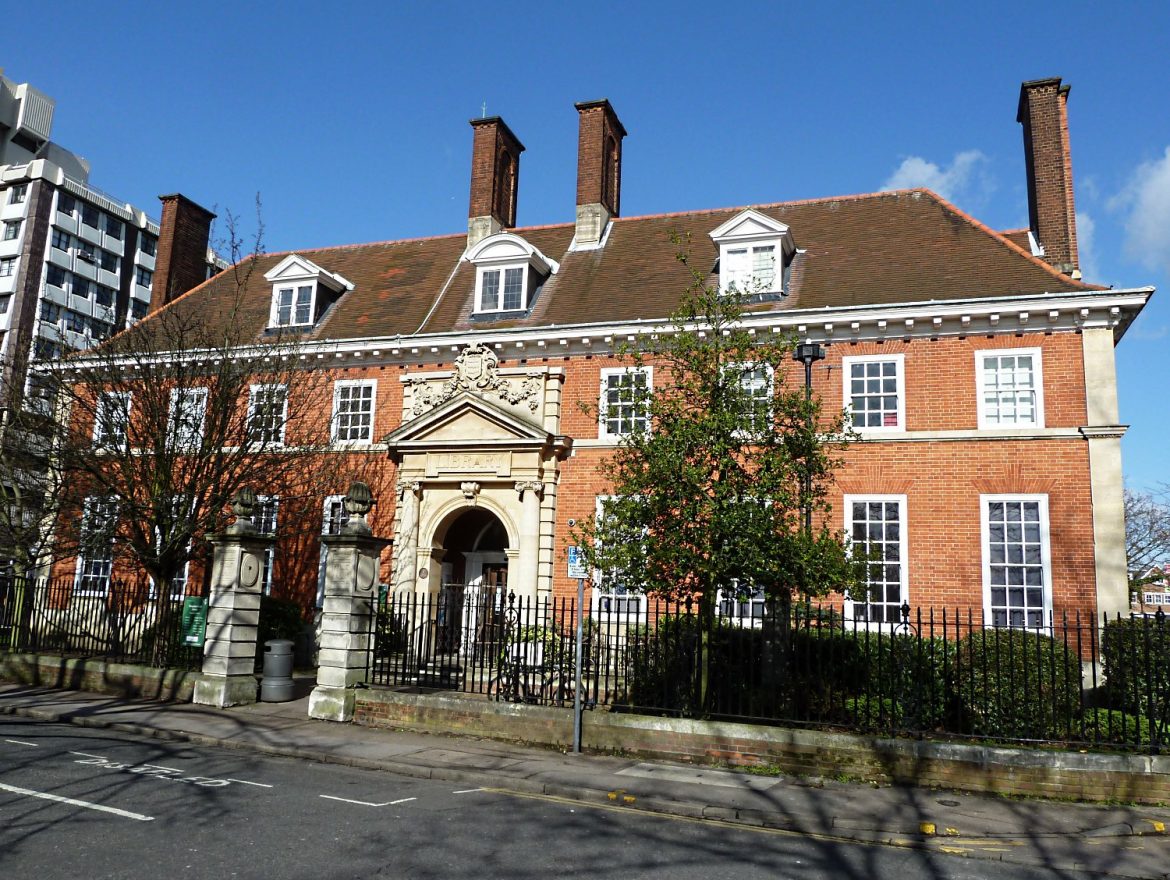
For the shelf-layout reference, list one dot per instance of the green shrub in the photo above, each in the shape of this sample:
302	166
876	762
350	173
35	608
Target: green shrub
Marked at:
1136	656
1016	684
1116	728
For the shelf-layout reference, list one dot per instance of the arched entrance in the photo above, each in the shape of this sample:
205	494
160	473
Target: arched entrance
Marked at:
471	546
474	546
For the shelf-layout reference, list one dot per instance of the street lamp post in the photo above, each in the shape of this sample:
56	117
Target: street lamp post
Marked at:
808	353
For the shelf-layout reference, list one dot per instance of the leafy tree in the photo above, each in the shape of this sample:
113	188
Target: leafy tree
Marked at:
1147	535
710	491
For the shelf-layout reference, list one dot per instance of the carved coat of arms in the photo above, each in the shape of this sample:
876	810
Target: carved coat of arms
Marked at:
476	369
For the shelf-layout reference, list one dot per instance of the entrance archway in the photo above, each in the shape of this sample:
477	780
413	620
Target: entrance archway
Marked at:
472	547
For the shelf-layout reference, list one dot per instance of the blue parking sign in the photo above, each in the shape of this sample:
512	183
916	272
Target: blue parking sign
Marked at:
577	567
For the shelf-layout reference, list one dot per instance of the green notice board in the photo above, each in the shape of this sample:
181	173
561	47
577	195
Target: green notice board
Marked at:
194	621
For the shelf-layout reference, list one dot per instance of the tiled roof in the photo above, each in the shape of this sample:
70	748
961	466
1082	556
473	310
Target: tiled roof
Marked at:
880	249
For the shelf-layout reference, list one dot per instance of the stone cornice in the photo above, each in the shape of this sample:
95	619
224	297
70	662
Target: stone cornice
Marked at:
935	319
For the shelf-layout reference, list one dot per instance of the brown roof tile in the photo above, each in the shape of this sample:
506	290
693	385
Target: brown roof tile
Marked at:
880	249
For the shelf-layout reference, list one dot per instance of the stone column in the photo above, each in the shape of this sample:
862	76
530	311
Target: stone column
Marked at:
1104	434
529	559
229	653
351	582
406	536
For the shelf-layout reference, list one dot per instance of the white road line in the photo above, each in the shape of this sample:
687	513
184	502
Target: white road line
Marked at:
246	782
20	742
88	755
468	790
75	803
330	797
403	800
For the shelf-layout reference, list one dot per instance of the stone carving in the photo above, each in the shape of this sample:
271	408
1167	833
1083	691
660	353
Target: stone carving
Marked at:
476	369
244	505
358	502
530	486
404	486
470	491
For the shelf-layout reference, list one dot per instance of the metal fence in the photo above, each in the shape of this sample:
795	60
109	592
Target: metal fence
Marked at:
117	621
1076	681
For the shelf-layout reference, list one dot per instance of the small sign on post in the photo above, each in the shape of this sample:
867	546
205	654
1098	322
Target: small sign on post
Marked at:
194	621
577	568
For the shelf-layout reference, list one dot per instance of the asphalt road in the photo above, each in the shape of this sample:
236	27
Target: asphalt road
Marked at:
77	804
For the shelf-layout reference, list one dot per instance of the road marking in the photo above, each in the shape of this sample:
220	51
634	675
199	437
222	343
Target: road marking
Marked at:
88	755
468	790
330	797
246	782
20	742
403	800
28	792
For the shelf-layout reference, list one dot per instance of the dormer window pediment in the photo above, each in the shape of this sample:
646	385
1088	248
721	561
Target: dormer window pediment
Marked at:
302	291
508	273
754	250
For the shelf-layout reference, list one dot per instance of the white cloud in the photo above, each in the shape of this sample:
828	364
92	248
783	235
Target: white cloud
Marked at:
1086	247
1147	199
951	182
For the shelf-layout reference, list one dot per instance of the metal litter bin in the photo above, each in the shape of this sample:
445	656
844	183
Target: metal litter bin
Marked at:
277	685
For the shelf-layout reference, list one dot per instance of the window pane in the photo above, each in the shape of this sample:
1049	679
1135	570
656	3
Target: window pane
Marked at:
1016	559
489	300
876	530
513	289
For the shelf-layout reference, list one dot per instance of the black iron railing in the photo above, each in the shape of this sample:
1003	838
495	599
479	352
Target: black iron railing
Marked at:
113	620
1076	681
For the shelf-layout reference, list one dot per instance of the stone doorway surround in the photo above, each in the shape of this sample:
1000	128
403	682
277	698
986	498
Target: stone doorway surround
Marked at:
478	435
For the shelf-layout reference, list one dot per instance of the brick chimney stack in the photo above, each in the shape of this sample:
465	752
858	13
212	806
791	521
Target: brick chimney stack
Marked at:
599	169
495	178
1043	112
181	258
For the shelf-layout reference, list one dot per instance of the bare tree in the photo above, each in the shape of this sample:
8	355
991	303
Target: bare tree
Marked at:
157	428
1147	533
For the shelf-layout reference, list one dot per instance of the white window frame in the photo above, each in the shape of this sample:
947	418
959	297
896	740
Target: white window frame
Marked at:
254	391
744	369
184	431
748	611
981	356
86	576
263	503
7	267
632	605
482	271
18	194
333	518
293	273
111	427
603	431
850	603
334	422
899	361
985	502
295	288
12	230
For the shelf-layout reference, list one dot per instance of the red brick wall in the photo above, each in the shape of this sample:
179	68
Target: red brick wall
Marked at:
1044	115
181	257
942	479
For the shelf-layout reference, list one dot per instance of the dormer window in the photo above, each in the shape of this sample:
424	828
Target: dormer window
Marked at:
509	272
754	250
302	292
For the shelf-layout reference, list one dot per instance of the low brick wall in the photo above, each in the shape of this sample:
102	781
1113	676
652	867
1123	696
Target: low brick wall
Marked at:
960	766
115	679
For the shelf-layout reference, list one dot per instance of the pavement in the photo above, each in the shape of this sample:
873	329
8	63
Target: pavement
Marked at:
1118	840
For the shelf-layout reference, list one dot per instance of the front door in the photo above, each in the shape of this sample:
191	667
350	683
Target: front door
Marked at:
489	612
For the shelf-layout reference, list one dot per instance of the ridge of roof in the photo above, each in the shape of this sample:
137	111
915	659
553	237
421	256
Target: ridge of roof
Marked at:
1008	243
765	205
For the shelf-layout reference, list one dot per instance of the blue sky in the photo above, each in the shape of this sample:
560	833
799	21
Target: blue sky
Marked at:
350	119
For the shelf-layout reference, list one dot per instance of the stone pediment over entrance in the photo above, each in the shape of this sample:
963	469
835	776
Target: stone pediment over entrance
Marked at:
468	421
